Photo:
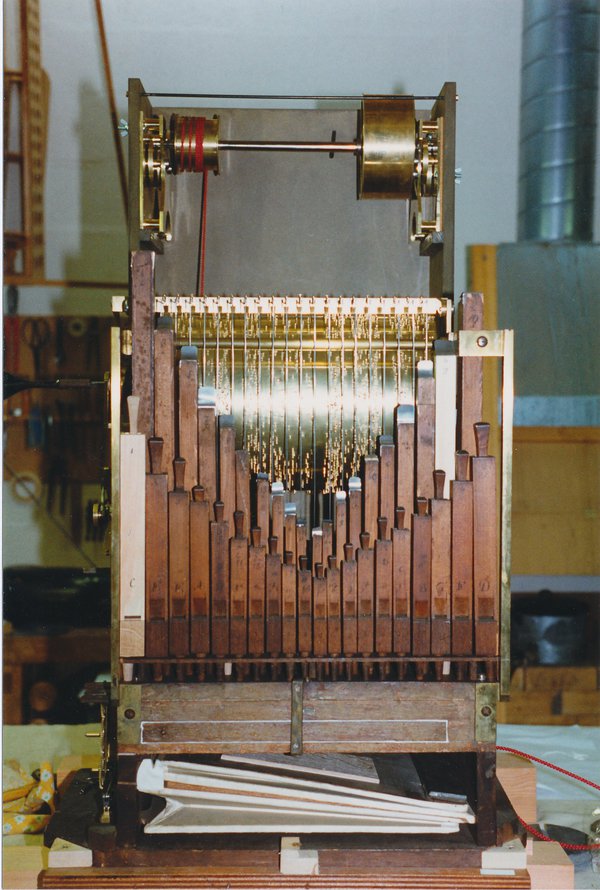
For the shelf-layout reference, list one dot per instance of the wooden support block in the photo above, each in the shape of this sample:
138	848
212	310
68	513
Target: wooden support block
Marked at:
470	372
486	580
334	609
401	562
227	469
273	597
207	453
387	481
242	488
305	611
355	511
164	392
518	779
188	422
550	868
383	590
462	558
404	426
132	506
288	604
365	559
238	586
554	679
573	701
157	555
219	581
371	496
341	525
441	573
200	513
263	511
350	602
319	610
425	429
421	580
179	564
256	594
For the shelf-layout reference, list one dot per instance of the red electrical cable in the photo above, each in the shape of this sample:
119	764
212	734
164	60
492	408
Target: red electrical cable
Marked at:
566	772
182	137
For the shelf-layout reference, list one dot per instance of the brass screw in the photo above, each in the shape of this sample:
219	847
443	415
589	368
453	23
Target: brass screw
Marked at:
486	711
129	713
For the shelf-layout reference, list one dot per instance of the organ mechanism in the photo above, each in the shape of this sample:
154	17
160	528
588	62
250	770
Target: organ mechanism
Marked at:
310	535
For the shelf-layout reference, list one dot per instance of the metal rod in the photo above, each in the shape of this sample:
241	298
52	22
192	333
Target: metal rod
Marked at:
244	374
263	145
357	98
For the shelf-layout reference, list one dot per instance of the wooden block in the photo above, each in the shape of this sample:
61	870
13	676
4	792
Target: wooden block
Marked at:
421	581
349	602
164	394
132	506
550	868
207	453
227	469
263	512
550	678
242	488
441	578
188	421
573	701
334	610
64	854
219	581
462	560
365	559
370	487
404	427
425	429
538	708
341	525
273	597
157	558
387	481
256	594
200	513
518	778
179	564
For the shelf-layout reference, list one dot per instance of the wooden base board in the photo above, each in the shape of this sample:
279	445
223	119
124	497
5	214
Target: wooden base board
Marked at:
518	778
407	879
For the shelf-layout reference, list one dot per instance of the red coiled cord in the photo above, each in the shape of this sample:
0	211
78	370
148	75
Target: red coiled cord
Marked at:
566	772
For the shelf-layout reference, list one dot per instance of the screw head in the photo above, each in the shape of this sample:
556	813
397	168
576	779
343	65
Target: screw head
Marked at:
129	713
482	341
486	711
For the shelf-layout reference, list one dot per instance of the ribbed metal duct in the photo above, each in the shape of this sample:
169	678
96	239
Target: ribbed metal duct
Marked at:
558	120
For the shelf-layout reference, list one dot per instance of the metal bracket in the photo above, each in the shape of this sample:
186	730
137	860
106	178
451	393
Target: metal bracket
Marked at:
500	344
129	714
486	697
296	715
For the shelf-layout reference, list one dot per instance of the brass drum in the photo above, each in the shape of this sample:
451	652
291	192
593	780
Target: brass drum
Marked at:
388	148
